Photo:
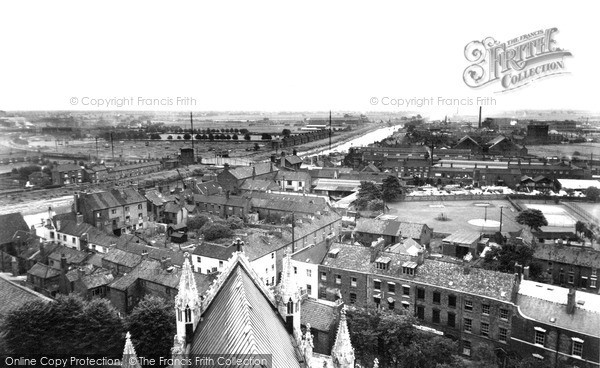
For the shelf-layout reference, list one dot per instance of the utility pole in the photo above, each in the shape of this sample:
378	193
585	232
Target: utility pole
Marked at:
97	157
330	130
192	127
293	236
501	207
112	147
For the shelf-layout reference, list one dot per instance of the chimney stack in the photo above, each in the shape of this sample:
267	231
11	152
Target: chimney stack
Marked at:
526	272
376	248
226	194
79	218
63	263
571	301
57	225
479	124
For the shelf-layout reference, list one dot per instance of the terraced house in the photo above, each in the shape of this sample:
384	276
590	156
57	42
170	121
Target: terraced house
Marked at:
472	306
117	211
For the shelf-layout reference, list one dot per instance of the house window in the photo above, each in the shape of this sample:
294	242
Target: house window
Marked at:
113	212
485	329
322	293
436	297
289	182
220	264
352	298
127	209
391	287
405	305
377	301
308	273
502	334
467	347
377	285
577	348
73	240
435	317
323	276
308	289
295	270
139	206
571	277
338	279
451	319
198	258
420	293
272	255
452	301
593	283
469	305
391	304
97	214
405	290
468	324
540	336
420	312
353	281
485	309
140	216
504	313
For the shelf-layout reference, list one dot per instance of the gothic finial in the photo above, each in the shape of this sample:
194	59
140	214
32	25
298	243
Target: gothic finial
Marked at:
342	351
188	292
129	355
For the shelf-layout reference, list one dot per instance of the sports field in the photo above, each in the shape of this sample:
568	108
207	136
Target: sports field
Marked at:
556	214
460	215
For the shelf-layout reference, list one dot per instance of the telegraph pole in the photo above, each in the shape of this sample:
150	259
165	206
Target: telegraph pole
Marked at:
501	207
97	157
112	147
330	130
192	127
293	237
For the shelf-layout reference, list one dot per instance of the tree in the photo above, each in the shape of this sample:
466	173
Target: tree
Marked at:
504	259
392	189
580	228
592	193
170	137
286	132
187	136
152	327
154	136
211	137
198	137
266	136
247	136
367	191
235	222
391	337
70	326
178	137
196	223
234	137
214	231
533	218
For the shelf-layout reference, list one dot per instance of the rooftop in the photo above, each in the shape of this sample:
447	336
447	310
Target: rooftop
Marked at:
11	222
542	302
14	296
463	237
579	256
320	315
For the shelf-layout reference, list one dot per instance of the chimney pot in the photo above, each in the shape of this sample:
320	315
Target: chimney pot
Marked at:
571	301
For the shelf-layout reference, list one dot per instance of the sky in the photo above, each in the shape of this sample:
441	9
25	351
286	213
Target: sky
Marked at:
282	56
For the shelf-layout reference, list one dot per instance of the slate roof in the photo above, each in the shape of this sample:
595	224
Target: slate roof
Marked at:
259	185
293	160
216	251
11	222
378	227
321	316
411	230
209	188
156	253
42	271
433	272
14	296
233	201
67	167
541	302
241	321
299	204
463	237
312	254
114	198
123	258
157	198
73	256
72	228
293	175
171	207
259	169
152	271
579	256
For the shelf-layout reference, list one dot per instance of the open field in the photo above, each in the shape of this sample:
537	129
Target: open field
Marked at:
458	214
560	150
556	214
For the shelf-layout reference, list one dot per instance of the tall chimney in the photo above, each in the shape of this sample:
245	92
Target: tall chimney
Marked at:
63	263
479	124
571	301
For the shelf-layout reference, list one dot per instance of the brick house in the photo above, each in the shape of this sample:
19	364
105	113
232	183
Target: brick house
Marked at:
569	265
232	179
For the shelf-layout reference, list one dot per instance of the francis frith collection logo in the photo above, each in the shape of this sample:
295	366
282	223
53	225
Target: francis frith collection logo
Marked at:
514	63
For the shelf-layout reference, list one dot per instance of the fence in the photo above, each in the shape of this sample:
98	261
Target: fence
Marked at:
458	197
583	213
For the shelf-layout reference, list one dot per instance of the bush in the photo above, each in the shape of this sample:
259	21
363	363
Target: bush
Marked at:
214	231
195	223
235	222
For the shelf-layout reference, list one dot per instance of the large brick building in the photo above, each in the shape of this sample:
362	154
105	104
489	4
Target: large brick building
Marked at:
473	306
